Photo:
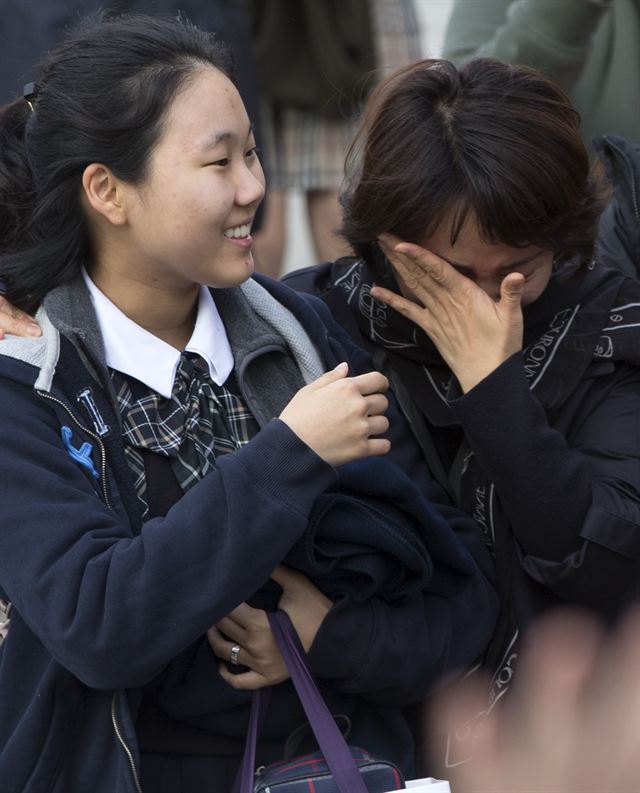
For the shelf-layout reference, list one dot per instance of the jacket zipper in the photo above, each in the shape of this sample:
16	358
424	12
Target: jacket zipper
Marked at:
103	456
103	482
123	743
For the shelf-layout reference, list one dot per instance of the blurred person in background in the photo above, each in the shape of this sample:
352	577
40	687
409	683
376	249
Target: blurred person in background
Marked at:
572	723
29	28
316	62
591	48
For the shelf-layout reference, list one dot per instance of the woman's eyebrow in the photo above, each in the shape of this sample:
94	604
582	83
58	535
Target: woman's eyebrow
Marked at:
522	262
467	268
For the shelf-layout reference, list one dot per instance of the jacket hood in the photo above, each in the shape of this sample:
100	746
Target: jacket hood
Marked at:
68	310
41	354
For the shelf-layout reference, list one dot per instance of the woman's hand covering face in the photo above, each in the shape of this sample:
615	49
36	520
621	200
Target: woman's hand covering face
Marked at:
473	333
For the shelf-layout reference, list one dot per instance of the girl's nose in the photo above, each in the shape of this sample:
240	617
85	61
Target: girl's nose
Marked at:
250	188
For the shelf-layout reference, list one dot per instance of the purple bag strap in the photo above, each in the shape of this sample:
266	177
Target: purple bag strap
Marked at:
244	778
332	745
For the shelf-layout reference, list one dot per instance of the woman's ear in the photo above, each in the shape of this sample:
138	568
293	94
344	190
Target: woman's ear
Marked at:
104	193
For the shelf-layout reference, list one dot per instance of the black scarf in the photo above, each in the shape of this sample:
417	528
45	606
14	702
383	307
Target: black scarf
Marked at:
584	315
577	319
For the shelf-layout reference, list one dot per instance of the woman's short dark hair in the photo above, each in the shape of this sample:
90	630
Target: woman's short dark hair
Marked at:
102	97
488	139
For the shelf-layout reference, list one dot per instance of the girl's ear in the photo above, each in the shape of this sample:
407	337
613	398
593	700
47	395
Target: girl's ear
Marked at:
104	193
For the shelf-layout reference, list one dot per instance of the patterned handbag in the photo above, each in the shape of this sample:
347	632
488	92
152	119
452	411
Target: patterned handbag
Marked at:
337	767
311	772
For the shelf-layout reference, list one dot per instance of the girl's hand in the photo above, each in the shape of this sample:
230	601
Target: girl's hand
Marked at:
248	629
473	333
305	604
16	322
337	416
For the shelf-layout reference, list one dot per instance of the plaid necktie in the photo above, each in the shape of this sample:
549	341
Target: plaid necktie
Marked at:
198	422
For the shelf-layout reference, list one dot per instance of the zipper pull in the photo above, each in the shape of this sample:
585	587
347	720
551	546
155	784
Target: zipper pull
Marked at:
5	618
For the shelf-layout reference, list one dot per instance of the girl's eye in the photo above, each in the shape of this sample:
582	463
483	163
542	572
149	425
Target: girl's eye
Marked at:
252	152
223	162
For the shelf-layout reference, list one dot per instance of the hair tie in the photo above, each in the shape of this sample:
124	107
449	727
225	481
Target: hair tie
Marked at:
30	92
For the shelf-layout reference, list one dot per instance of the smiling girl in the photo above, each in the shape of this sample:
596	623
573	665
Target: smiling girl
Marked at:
166	438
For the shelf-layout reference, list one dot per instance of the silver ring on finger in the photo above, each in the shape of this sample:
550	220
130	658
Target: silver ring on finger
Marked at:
233	655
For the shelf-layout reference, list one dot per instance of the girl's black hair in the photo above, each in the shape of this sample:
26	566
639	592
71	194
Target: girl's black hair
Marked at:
102	97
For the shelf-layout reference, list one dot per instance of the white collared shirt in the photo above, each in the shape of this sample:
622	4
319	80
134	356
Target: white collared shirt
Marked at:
134	351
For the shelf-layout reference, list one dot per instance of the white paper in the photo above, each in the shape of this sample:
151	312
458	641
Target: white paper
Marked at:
434	785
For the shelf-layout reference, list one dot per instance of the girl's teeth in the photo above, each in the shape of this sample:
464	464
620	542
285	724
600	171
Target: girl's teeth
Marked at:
238	231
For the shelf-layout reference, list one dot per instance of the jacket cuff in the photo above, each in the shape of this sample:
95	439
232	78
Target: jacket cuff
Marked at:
500	387
282	464
613	532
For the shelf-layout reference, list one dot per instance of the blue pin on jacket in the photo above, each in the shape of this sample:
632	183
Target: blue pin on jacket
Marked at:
81	454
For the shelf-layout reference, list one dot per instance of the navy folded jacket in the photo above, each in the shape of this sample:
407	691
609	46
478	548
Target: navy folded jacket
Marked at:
375	534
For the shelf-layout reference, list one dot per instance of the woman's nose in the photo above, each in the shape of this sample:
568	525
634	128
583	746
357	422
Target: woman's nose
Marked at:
490	287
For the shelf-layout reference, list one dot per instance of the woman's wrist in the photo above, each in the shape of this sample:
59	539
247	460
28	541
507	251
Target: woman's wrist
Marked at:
471	374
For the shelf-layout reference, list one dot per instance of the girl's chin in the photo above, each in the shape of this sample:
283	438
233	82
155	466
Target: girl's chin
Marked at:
235	275
249	267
